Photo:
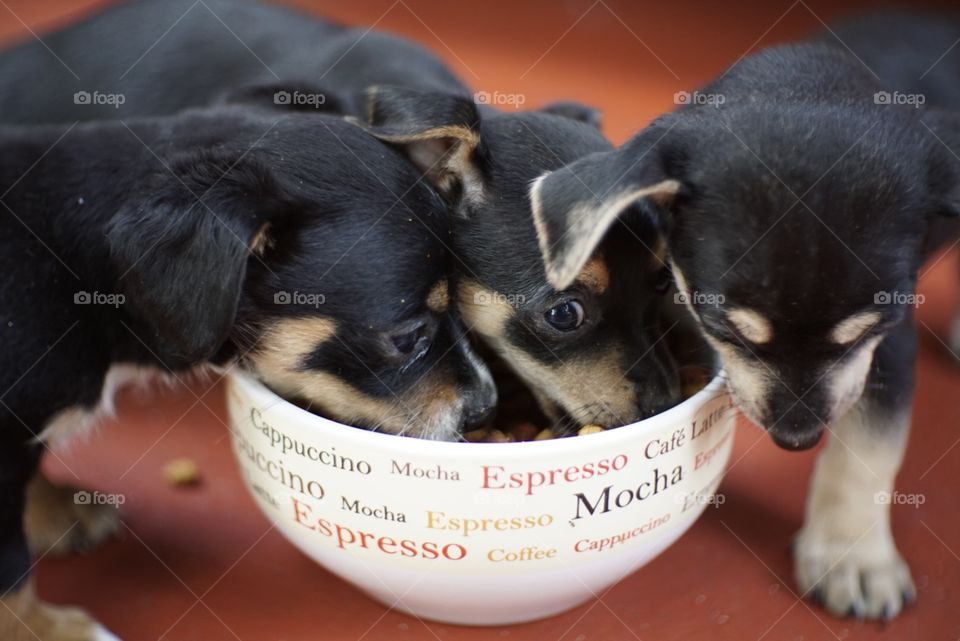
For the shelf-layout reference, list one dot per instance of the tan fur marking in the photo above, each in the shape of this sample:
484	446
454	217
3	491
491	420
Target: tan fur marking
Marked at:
595	275
438	300
464	134
261	239
854	327
591	390
23	617
429	411
483	310
755	327
56	523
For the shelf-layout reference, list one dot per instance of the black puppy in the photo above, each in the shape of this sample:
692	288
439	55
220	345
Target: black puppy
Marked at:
589	358
170	243
590	349
155	57
801	208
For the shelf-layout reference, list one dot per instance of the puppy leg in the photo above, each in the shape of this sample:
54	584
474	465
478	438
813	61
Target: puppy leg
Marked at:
845	555
24	618
58	521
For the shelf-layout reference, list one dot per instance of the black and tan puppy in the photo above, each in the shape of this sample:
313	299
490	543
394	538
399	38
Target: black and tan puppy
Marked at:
591	349
167	244
588	358
804	202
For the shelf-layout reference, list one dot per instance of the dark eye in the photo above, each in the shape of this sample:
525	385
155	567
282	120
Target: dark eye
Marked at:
664	280
566	317
410	344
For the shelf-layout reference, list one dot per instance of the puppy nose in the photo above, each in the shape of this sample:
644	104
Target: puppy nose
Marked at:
798	429
478	415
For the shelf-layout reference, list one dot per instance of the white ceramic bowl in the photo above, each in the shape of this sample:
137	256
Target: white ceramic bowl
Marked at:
480	534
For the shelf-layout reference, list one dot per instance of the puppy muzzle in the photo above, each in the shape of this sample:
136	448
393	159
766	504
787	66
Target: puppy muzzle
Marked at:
797	429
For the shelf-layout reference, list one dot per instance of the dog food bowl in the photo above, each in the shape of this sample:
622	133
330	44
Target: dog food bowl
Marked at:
476	533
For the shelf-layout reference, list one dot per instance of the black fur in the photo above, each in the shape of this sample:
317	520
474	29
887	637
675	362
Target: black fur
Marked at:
496	242
873	182
90	211
165	55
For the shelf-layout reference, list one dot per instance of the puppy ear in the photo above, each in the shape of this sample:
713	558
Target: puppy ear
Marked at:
575	111
574	206
300	96
181	251
440	133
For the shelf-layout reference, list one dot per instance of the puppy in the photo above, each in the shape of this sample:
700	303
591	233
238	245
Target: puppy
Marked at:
589	358
156	57
170	243
801	209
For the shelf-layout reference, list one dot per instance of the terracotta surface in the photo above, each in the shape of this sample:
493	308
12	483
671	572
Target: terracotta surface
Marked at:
202	564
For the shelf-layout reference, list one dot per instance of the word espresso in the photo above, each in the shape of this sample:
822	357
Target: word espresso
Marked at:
348	538
466	526
496	477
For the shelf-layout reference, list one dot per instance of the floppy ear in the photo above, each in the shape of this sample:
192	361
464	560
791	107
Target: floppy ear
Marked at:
575	111
288	95
181	251
574	206
440	133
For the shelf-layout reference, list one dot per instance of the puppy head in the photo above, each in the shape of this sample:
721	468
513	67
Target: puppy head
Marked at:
318	260
591	348
797	252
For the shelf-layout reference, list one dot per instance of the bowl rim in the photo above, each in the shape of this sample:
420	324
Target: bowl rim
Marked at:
268	399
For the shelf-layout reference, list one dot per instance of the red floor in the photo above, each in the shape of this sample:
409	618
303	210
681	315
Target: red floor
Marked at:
202	564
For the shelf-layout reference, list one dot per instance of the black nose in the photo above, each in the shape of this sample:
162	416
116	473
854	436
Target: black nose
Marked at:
478	414
798	429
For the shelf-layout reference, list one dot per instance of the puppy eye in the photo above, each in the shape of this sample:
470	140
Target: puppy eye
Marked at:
664	280
566	317
410	344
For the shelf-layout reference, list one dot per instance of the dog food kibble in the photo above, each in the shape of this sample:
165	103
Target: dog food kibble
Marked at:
477	436
524	431
589	429
496	436
181	471
545	435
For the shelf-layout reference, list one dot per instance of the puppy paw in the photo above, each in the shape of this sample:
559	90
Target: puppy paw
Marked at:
71	624
25	618
866	580
56	522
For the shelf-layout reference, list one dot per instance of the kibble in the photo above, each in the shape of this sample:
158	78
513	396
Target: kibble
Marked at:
181	472
590	429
